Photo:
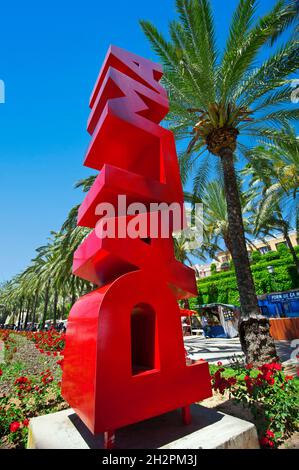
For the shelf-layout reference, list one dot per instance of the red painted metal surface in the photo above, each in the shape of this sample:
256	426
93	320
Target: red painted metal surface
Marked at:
186	415
124	355
109	440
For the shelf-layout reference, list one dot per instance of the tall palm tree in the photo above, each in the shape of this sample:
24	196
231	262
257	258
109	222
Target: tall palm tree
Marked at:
216	99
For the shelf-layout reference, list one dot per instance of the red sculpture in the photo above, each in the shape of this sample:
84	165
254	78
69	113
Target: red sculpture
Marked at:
124	355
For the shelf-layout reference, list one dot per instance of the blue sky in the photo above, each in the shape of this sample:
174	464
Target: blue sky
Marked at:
51	53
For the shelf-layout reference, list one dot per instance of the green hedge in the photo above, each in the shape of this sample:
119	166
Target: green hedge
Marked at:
222	287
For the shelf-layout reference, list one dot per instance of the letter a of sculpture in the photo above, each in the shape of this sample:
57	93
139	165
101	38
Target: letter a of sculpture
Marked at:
124	356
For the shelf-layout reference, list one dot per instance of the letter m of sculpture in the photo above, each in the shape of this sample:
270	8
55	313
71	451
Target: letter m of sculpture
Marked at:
124	356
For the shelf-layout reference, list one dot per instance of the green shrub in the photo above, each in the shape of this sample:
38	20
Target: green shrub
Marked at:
282	249
271	255
271	396
222	287
255	256
213	268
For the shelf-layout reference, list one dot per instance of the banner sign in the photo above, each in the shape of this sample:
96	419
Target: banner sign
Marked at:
284	296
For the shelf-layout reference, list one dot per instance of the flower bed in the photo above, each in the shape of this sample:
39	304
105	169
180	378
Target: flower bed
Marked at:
29	381
30	386
271	396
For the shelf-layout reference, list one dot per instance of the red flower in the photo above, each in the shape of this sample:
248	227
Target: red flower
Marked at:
264	441
14	426
270	367
249	384
1	372
268	375
232	381
249	366
21	380
60	362
270	434
219	363
288	377
26	422
276	366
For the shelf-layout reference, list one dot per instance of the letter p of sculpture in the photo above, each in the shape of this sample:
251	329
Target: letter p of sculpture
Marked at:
124	356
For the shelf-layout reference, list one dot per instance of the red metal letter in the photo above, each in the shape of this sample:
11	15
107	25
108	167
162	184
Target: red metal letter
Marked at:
124	356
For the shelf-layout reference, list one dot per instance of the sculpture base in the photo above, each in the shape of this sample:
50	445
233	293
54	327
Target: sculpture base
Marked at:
209	429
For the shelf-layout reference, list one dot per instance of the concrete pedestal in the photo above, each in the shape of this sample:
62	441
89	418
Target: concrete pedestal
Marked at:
209	430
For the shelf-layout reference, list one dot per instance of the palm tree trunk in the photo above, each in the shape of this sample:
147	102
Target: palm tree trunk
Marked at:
20	313
35	306
46	304
254	329
291	248
55	307
228	244
27	313
73	299
63	306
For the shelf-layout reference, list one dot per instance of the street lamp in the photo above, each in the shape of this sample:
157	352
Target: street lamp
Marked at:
271	270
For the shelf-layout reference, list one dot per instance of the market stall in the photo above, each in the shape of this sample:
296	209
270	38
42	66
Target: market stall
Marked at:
190	322
219	320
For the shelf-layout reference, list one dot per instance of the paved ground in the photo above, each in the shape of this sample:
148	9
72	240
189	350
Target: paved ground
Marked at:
213	349
222	349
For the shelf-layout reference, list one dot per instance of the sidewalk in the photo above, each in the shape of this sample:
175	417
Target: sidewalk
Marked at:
223	349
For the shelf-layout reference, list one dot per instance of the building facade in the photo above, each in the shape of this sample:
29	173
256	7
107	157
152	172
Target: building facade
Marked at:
224	258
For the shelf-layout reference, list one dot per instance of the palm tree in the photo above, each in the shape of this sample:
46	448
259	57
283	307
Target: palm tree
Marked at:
270	220
274	182
182	250
217	99
216	225
47	287
185	254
